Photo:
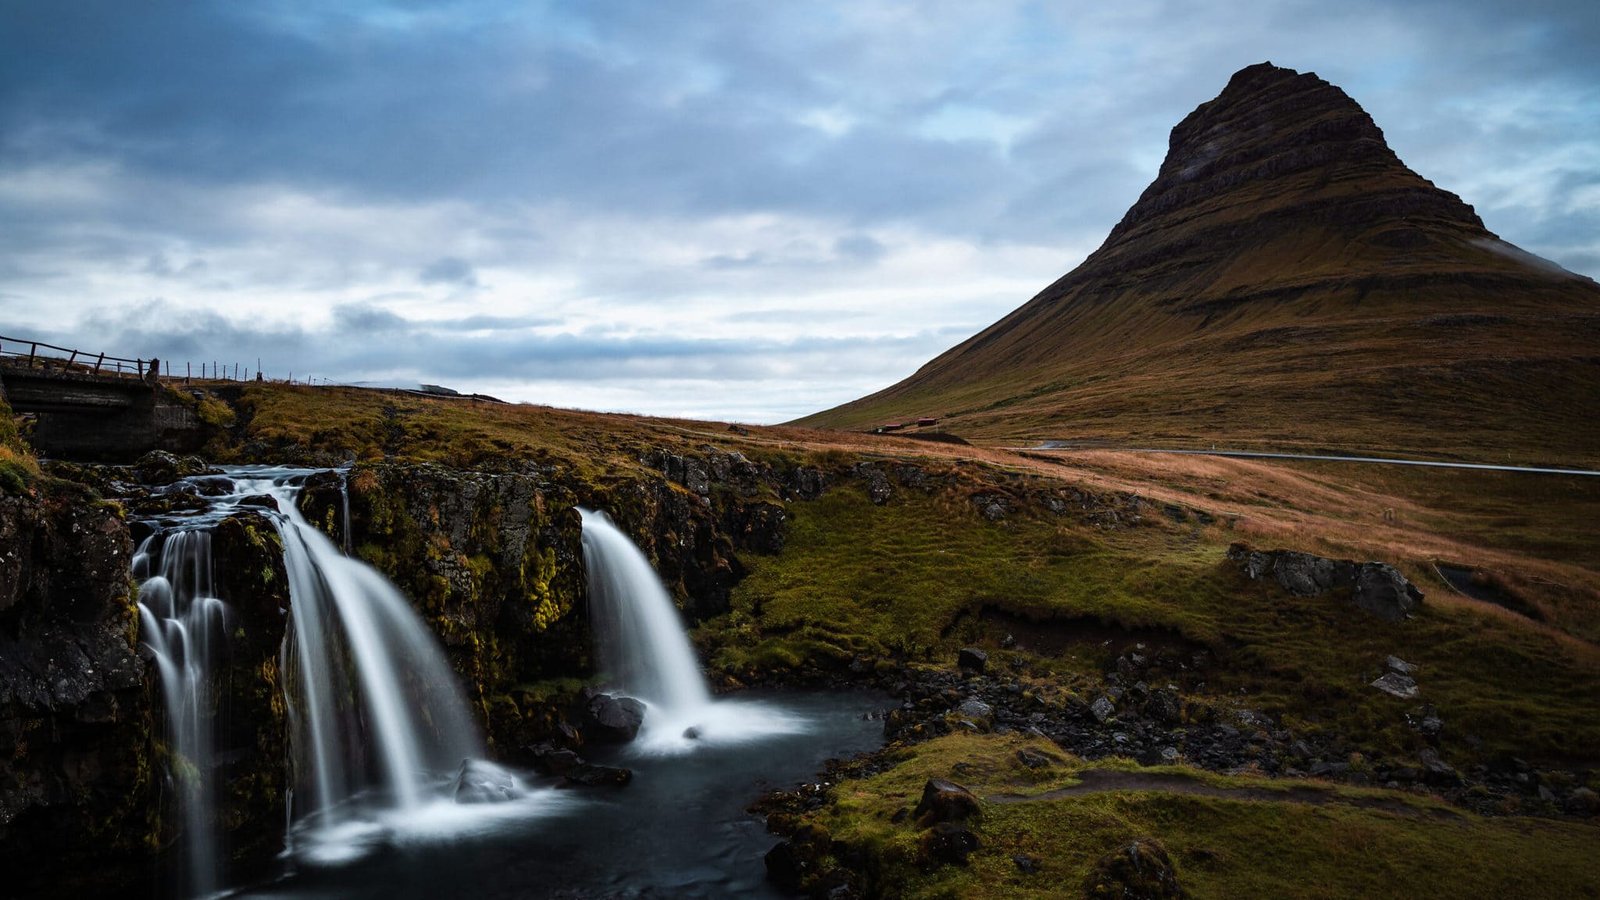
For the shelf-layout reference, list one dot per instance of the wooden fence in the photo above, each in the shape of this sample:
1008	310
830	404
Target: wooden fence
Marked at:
39	355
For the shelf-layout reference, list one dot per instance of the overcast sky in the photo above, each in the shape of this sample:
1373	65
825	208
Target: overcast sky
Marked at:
731	210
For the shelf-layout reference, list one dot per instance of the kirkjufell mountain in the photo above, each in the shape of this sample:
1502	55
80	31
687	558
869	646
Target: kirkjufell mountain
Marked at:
1286	281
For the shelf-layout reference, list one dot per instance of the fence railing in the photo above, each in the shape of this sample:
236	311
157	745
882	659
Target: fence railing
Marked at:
39	355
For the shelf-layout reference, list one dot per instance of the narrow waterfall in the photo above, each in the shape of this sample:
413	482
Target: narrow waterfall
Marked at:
645	652
642	642
184	626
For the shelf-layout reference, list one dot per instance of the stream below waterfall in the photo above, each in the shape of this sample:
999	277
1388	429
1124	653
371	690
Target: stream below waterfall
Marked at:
680	829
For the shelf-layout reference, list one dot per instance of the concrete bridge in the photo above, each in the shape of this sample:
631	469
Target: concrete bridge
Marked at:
92	407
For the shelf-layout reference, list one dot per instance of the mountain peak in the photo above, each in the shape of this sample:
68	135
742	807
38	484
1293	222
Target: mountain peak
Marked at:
1276	141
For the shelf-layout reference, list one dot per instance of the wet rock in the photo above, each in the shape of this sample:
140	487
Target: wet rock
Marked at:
612	720
481	781
946	801
1397	685
972	659
1140	869
592	775
551	760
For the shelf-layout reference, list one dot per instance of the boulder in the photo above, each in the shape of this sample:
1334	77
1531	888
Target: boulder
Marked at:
1102	709
946	801
550	760
481	781
612	720
1436	771
1397	685
972	659
979	713
1398	665
1139	869
1583	802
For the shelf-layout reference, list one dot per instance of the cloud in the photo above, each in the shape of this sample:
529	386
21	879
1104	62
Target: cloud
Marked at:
666	184
449	270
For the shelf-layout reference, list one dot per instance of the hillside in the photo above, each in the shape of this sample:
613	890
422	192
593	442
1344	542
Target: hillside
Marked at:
1287	282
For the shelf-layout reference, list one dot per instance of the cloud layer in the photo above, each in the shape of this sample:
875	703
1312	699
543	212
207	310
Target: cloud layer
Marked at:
710	208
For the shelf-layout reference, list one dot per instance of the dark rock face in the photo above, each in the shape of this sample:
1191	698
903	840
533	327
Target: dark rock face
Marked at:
794	864
74	713
1141	870
1375	587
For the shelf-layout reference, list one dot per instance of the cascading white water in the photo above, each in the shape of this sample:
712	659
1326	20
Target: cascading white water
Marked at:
645	650
378	725
375	711
184	625
643	646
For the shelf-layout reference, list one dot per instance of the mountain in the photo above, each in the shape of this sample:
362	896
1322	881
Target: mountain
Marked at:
1286	281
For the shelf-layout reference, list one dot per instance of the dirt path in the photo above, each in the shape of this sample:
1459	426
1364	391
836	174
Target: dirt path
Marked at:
1100	781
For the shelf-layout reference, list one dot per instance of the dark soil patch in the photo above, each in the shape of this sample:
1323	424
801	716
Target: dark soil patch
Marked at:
1480	585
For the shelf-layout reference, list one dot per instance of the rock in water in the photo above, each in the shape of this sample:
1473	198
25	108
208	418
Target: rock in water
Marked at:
481	781
613	720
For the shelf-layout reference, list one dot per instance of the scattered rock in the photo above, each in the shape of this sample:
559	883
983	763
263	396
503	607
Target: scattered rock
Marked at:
946	801
1376	587
1102	709
1163	706
1140	869
481	781
948	842
549	760
977	712
1397	685
1400	666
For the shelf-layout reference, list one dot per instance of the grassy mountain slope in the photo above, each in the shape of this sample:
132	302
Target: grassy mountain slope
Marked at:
1286	281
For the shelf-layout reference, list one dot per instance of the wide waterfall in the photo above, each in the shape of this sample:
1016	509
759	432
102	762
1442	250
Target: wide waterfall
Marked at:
184	625
379	731
645	651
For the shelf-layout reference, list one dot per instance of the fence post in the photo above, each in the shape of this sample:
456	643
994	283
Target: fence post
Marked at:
98	362
33	350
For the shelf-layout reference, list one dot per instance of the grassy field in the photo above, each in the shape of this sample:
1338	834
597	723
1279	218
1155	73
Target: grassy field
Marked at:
1258	839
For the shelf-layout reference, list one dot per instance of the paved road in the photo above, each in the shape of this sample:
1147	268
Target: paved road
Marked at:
1252	454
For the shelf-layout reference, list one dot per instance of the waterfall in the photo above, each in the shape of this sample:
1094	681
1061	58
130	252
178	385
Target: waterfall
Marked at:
377	719
643	645
645	651
184	626
378	727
